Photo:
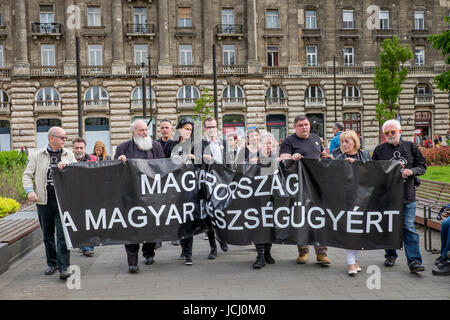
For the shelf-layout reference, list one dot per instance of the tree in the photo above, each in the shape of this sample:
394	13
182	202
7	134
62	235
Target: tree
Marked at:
442	42
389	77
204	105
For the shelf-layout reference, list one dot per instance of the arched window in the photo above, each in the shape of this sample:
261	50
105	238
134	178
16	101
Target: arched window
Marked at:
314	96
188	94
96	97
137	97
48	97
4	102
275	95
351	94
423	94
233	94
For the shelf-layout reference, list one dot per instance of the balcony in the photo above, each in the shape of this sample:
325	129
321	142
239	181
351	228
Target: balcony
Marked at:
352	101
382	34
275	71
314	102
5	73
419	34
96	105
3	33
46	29
426	69
348	70
349	34
187	70
5	108
47	106
233	103
276	104
186	103
185	33
136	105
130	1
94	32
273	33
141	30
90	71
423	99
135	71
229	31
46	71
314	70
232	70
311	34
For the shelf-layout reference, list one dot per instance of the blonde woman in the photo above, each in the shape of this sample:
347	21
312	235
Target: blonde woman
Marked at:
100	151
350	146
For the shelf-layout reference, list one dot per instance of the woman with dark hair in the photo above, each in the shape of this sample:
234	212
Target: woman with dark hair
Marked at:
183	145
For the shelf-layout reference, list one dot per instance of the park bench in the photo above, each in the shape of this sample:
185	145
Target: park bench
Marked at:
17	237
431	196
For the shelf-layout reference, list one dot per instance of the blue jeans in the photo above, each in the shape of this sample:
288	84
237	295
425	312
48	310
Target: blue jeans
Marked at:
410	236
445	237
84	249
57	254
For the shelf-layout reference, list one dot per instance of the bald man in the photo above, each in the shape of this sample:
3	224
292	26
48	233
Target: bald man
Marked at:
141	146
38	184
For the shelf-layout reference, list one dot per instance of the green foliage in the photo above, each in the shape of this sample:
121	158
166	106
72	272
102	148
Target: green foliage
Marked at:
204	105
12	166
389	77
442	42
8	206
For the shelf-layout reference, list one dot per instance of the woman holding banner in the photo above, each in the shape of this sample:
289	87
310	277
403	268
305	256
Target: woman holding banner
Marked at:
350	146
250	153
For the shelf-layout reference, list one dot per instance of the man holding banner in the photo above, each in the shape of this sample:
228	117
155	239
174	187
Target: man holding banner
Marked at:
304	144
414	164
141	146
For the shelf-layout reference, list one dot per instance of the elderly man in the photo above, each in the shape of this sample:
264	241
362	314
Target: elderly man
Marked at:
38	184
141	146
304	144
414	164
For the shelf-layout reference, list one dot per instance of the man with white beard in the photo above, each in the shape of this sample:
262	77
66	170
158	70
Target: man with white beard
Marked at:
141	146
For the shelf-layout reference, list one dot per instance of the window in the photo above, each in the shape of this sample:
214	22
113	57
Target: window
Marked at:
229	53
351	94
48	97
420	56
349	59
423	94
352	121
96	97
419	20
95	55
311	19
184	17
233	94
94	16
185	54
275	95
188	94
273	56
48	55
384	20
311	56
2	65
4	99
46	18
272	19
228	21
137	97
347	18
1	18
140	54
140	20
314	92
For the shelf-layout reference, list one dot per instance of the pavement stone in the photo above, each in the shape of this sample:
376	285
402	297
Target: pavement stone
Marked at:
229	277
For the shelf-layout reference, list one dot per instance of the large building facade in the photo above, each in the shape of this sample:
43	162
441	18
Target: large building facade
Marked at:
276	59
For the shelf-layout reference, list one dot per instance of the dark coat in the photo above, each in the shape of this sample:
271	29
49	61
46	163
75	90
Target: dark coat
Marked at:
131	151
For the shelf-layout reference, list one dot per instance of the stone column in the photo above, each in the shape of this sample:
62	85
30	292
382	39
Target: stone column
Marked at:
208	38
118	65
21	63
71	22
253	65
164	65
292	18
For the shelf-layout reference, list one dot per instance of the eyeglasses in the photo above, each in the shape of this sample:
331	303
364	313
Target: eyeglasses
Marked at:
390	132
254	127
62	138
211	127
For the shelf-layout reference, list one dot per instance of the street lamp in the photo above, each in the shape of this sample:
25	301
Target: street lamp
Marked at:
144	92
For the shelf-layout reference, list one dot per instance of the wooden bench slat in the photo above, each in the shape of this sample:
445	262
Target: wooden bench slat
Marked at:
19	227
20	230
10	225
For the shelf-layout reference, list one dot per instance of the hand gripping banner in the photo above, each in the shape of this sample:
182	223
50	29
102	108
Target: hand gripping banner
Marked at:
326	202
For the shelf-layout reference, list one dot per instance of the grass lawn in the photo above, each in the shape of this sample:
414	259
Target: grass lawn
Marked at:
438	173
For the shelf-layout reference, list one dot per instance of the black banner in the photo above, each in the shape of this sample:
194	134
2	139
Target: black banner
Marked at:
327	202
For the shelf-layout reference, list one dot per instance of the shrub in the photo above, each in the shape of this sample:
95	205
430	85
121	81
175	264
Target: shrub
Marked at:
8	206
10	159
12	166
436	156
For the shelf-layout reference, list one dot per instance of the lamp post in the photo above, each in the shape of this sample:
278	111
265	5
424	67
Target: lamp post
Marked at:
144	92
150	98
334	75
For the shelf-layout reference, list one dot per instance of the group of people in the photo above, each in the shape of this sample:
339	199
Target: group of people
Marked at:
38	182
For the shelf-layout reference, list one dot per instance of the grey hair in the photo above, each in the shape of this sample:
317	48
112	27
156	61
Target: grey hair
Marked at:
339	126
392	122
133	125
51	131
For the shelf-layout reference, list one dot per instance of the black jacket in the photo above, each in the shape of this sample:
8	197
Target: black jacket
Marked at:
409	156
131	151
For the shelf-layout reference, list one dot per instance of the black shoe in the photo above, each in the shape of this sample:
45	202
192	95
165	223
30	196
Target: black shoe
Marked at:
259	263
158	245
268	258
439	260
188	261
149	260
389	262
51	270
416	267
176	242
212	254
63	274
182	256
443	269
133	268
223	246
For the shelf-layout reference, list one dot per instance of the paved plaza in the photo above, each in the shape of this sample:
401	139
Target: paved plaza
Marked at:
229	277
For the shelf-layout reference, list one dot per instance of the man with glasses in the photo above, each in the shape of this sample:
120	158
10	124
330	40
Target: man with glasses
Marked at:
38	184
413	164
